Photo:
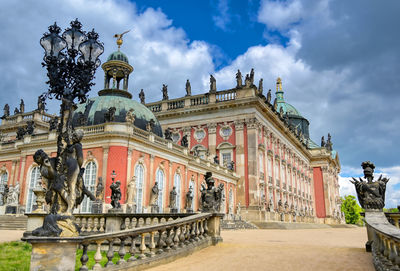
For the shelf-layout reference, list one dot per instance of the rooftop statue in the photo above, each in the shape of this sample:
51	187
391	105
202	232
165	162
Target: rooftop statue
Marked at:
6	111
371	194
269	96
260	86
323	141
142	97
213	84
238	79
188	88
22	106
41	106
251	77
165	92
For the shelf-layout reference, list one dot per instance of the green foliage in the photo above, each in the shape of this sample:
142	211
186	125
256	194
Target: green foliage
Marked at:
15	256
351	210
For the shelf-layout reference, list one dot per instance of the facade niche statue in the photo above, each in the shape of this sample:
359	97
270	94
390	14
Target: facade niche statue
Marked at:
165	92
370	194
189	200
168	134
216	160
172	200
131	196
154	198
213	84
184	141
188	88
142	97
211	196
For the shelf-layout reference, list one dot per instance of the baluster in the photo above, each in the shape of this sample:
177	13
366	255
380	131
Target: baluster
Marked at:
205	227
187	234
392	254
160	242
121	251
94	224
182	230
197	231
123	226
130	226
169	241
397	260
110	253
83	224
176	238
152	245
97	256
201	229
132	250
193	233
84	258
91	224
137	222
142	247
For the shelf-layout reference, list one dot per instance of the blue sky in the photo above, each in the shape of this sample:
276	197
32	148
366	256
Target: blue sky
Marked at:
339	60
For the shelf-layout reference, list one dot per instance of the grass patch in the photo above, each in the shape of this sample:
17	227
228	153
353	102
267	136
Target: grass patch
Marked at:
15	256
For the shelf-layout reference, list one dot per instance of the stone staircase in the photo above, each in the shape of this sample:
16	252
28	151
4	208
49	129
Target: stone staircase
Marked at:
237	225
12	222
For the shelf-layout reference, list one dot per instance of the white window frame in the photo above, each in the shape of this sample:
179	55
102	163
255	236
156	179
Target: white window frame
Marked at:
89	179
177	184
140	175
34	176
192	184
160	178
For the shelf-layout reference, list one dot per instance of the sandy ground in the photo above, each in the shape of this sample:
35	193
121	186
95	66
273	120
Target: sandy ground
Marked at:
311	249
9	235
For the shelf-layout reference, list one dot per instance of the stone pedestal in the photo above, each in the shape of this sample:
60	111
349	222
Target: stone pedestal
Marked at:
113	223
189	210
174	210
53	255
214	228
131	208
2	210
35	220
154	209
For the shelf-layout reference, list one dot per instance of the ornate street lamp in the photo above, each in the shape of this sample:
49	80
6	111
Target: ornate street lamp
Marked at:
71	60
113	175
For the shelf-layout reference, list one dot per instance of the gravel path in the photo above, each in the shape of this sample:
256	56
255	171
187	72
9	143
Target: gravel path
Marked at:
311	250
10	235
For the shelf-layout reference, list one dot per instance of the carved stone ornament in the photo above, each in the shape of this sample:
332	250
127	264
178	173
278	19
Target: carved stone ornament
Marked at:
176	136
199	134
370	194
225	131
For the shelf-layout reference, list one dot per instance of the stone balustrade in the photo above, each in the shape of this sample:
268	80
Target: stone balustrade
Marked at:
383	239
147	245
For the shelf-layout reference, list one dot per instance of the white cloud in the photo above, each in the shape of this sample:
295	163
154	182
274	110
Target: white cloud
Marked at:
280	14
222	19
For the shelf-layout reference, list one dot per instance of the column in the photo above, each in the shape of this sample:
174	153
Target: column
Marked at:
128	169
252	146
240	162
212	138
104	170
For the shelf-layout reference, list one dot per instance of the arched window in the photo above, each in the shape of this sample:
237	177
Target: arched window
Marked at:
160	178
139	174
33	178
177	184
89	179
231	201
223	202
193	186
3	182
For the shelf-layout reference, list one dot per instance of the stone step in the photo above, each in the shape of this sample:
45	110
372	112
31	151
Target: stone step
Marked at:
290	225
237	224
11	222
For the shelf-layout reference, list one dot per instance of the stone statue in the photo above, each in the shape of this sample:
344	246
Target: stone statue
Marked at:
231	165
216	160
280	206
189	200
322	141
165	92
168	134
20	133
109	116
328	144
131	192
260	86
370	194
238	209
53	123
213	84
5	193
269	206
247	81
21	106
115	195
154	194
211	196
16	111
188	88
6	111
286	206
172	200
150	125
40	104
13	195
130	116
142	97
81	120
238	79
99	189
184	141
251	77
281	112
269	96
275	104
30	127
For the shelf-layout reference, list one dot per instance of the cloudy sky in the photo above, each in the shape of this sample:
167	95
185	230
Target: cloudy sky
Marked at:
339	60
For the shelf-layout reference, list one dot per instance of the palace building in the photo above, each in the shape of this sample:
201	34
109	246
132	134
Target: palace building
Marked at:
260	150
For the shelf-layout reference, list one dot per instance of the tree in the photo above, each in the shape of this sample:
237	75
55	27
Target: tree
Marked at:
351	209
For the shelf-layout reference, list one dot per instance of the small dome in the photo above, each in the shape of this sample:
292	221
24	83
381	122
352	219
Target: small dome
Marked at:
93	111
290	109
118	55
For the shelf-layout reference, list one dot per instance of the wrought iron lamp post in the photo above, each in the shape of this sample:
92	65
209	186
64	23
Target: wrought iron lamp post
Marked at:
71	59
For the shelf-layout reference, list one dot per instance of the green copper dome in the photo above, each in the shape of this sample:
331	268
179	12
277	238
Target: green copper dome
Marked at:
117	55
94	109
288	108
